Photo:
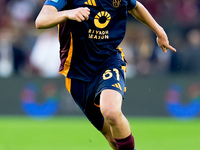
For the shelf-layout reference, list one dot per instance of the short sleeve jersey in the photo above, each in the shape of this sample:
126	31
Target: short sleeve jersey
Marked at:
87	47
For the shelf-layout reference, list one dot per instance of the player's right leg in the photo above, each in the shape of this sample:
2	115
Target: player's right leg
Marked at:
77	89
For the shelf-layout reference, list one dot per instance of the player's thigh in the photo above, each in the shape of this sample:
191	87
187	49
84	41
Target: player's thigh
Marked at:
112	89
85	100
110	102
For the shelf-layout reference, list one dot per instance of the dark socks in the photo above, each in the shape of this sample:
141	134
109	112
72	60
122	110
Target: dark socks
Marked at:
126	143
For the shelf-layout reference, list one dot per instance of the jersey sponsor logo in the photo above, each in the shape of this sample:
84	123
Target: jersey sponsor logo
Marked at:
54	0
91	3
102	19
96	34
116	3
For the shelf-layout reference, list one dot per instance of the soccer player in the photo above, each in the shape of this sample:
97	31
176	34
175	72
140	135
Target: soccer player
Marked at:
93	64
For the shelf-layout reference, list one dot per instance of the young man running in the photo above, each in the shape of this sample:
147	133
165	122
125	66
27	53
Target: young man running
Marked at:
93	64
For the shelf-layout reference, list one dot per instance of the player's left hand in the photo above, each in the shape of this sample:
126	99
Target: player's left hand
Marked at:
163	42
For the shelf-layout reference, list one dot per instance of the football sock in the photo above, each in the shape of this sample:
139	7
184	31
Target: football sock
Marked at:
126	143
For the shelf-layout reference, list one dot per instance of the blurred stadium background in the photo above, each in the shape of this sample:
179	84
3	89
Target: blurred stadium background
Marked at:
163	90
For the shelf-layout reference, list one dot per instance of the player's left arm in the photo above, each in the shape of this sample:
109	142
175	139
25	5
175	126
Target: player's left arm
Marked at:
142	14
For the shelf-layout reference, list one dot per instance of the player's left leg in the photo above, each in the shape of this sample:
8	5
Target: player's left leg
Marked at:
106	131
110	106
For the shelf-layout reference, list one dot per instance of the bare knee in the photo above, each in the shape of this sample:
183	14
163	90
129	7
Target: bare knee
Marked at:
110	105
111	115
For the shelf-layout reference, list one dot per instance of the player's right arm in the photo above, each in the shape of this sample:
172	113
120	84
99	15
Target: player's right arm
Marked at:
49	16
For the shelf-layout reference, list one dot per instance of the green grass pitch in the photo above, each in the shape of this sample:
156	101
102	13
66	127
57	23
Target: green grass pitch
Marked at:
76	133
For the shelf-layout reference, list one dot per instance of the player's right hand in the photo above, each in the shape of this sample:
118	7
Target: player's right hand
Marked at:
78	14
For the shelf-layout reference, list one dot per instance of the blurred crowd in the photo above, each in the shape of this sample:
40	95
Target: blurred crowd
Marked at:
27	51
